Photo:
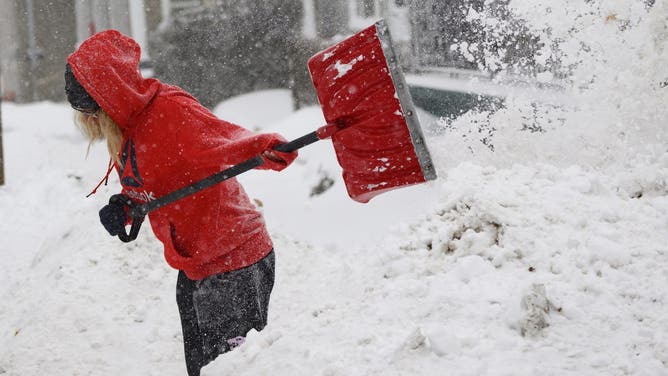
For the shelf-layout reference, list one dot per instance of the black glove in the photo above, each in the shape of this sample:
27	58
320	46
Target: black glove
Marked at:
113	216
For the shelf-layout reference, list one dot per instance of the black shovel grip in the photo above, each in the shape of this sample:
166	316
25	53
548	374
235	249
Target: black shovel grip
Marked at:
136	221
134	231
298	143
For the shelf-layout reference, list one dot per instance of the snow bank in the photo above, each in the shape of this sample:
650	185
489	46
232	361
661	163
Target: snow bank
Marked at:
446	292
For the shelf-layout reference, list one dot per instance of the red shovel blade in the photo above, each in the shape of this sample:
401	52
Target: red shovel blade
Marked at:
361	88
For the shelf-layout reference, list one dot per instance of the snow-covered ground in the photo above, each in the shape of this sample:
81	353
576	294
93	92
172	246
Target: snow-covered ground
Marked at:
548	255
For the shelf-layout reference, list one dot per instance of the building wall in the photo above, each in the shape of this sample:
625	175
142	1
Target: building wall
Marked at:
93	16
154	13
331	17
37	36
43	34
54	37
9	50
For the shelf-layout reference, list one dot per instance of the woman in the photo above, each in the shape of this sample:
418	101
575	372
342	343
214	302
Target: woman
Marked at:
161	139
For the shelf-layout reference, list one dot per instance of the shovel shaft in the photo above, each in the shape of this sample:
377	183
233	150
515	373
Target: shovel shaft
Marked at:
140	211
298	143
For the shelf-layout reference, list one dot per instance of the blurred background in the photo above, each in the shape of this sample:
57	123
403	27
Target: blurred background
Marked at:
218	49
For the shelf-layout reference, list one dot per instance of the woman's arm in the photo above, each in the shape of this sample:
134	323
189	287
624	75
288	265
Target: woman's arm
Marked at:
207	140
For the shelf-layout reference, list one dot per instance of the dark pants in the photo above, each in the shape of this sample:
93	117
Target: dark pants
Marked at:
217	311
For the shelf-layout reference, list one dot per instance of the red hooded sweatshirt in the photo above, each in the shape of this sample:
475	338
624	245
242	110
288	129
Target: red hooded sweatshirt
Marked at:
171	141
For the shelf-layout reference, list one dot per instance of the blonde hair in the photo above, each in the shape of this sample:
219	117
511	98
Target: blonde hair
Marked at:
100	127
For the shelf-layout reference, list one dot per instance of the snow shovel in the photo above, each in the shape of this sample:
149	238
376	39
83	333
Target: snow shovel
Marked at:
370	118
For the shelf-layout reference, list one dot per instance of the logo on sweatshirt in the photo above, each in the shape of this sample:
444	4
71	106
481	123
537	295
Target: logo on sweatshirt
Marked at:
129	157
143	196
133	177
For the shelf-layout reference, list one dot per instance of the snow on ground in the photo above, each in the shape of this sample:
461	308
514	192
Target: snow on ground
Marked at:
548	255
361	290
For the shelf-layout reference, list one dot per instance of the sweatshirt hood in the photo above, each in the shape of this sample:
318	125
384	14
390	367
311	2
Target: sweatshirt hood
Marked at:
107	66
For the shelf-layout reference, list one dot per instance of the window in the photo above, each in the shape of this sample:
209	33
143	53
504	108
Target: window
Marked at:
178	5
366	8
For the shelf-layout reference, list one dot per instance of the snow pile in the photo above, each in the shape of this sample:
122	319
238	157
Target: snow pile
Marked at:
514	271
75	300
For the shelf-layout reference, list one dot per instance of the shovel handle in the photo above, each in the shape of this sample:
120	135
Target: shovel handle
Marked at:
298	143
139	212
144	209
326	131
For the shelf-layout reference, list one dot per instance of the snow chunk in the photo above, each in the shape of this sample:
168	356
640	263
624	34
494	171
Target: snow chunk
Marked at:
537	307
344	68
